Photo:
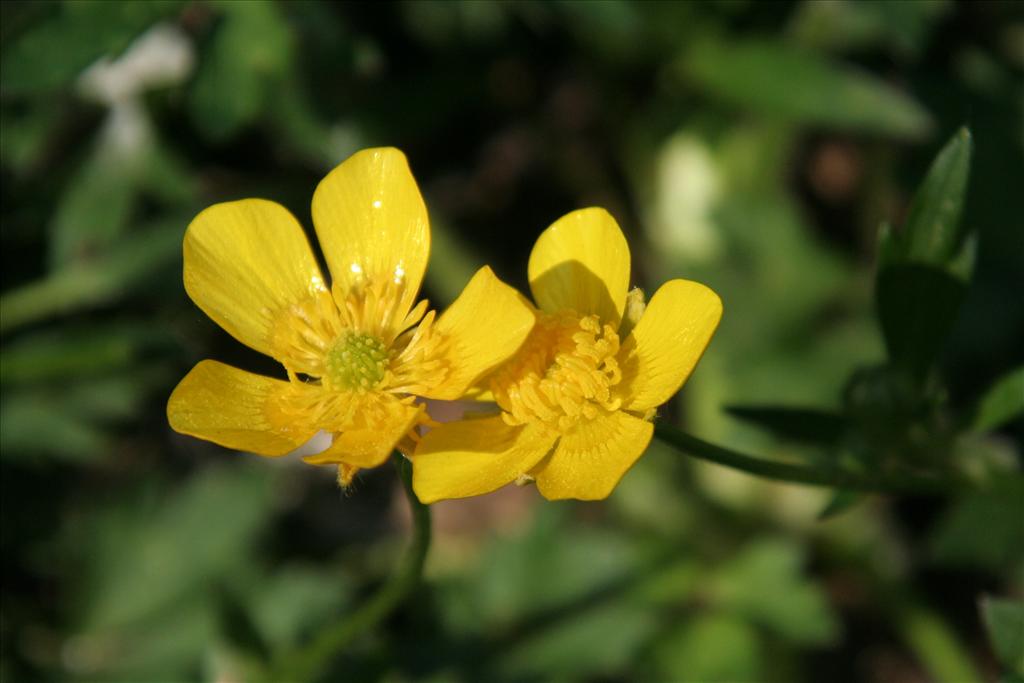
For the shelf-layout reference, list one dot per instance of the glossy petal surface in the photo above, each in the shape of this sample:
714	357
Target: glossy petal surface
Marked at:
369	445
473	457
581	263
484	327
372	223
247	262
591	459
235	409
664	347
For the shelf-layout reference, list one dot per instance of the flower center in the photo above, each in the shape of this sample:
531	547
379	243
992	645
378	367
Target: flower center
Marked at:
565	372
357	361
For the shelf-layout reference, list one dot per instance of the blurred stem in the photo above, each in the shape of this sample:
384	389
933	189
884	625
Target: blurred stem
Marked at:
799	474
308	662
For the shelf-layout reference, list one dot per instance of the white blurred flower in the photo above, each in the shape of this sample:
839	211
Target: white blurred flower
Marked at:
160	57
687	186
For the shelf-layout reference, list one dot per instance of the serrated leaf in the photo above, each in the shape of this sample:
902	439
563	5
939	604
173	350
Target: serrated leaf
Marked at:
805	425
1001	403
1004	620
816	92
53	52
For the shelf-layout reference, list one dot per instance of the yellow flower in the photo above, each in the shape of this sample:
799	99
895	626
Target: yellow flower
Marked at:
357	352
578	398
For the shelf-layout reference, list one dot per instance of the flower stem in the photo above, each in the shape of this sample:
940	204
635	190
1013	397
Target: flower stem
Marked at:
800	474
310	661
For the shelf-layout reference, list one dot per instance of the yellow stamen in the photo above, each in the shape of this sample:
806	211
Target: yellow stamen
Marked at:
346	351
565	372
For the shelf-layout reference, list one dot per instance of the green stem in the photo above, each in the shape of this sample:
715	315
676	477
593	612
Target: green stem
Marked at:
799	474
310	661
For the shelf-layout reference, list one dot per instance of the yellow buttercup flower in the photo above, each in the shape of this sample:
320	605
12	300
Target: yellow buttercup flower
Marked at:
357	352
578	398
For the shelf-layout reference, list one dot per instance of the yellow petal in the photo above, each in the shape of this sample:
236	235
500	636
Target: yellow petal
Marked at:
591	459
245	263
483	328
346	473
372	223
664	347
370	444
581	263
235	409
479	393
473	457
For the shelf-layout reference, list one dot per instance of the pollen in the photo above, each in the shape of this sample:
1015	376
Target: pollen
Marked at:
356	362
566	372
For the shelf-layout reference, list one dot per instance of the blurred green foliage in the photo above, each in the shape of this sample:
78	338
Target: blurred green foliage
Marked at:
757	147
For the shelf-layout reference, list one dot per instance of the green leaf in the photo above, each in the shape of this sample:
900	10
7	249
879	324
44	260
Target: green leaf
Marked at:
791	84
764	583
804	425
238	628
33	429
596	641
930	234
840	503
167	645
53	52
113	398
1004	620
936	645
554	609
917	307
26	131
67	421
984	530
134	259
143	559
709	648
163	175
95	208
903	25
69	353
292	601
97	205
1001	403
250	48
924	268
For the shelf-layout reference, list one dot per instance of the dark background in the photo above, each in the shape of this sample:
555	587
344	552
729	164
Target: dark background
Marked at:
754	146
